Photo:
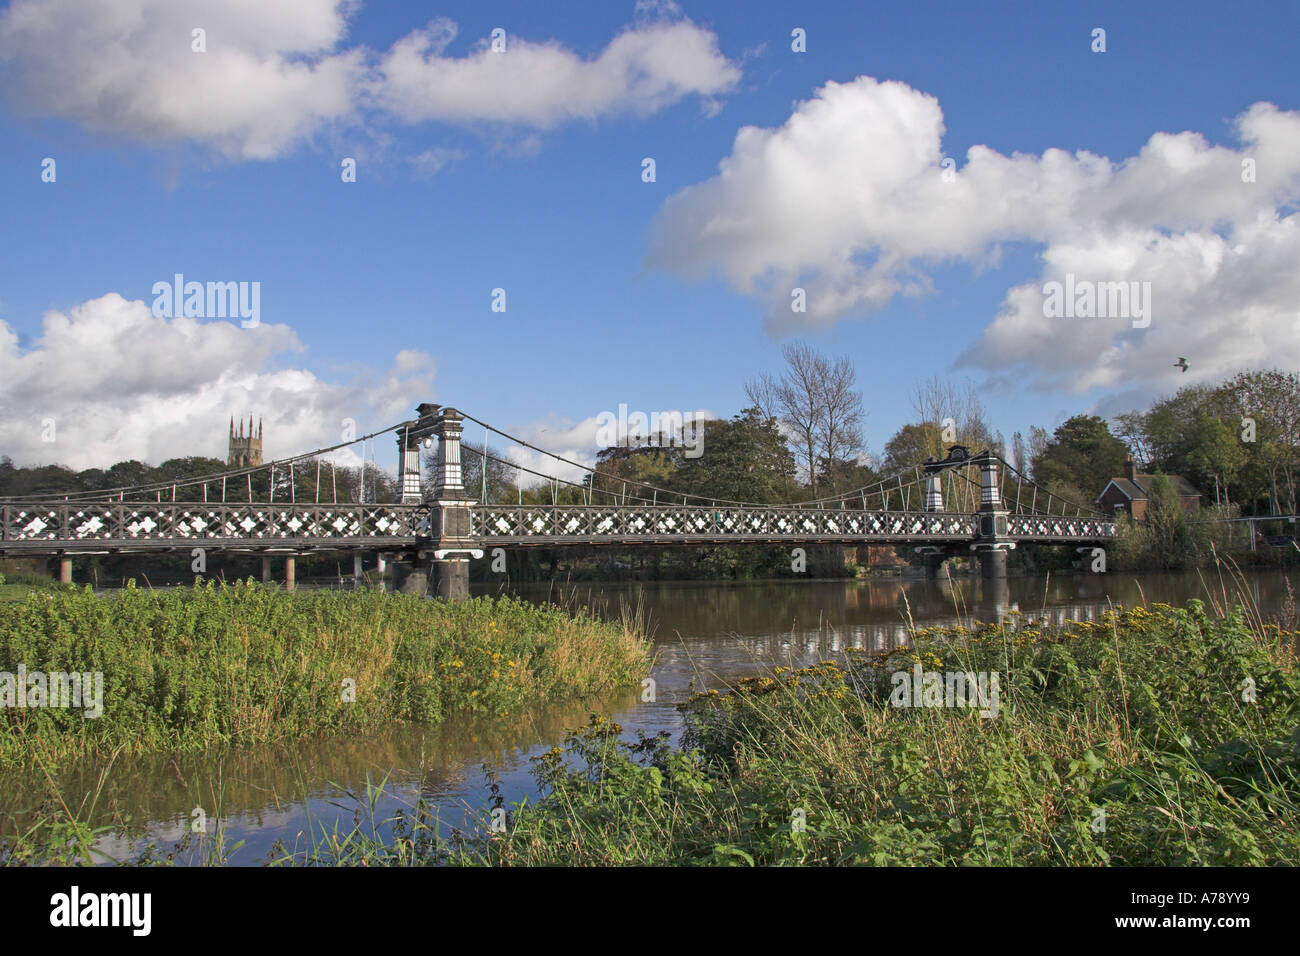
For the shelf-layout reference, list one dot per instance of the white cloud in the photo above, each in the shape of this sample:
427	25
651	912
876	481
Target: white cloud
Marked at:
272	73
276	74
120	383
848	200
541	85
575	441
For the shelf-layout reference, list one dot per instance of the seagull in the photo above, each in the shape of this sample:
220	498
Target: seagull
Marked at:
1181	363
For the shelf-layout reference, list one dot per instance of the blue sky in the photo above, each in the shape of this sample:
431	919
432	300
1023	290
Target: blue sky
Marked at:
612	297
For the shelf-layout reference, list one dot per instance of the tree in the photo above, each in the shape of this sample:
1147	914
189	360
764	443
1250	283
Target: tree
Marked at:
910	446
1020	453
1271	401
1082	454
1130	428
795	397
1215	455
746	459
958	407
840	425
1170	538
500	476
816	404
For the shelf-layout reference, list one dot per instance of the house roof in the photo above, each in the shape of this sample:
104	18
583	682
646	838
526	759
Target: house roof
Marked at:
1140	488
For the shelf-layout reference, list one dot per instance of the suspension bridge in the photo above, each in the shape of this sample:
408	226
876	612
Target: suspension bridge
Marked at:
962	504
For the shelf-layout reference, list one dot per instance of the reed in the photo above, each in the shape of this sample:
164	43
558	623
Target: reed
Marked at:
241	663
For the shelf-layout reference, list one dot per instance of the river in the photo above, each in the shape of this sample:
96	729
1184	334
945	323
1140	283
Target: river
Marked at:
705	634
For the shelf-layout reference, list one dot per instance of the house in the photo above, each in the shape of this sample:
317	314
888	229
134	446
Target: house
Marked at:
1131	492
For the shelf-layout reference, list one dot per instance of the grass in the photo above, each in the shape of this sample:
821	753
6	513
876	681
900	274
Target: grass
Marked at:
1155	736
240	663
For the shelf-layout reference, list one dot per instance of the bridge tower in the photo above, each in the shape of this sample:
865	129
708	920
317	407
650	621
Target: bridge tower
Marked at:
934	556
453	542
992	542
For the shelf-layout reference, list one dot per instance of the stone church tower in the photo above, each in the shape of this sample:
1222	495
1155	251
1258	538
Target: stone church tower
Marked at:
245	450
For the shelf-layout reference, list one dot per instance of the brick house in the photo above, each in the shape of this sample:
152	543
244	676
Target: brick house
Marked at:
1130	493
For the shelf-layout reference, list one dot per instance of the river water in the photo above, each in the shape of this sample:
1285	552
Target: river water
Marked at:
705	634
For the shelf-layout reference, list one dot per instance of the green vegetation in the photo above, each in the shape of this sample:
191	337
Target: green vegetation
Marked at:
242	663
1152	737
14	586
1162	737
1123	742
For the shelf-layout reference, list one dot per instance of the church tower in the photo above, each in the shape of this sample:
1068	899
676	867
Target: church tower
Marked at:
245	450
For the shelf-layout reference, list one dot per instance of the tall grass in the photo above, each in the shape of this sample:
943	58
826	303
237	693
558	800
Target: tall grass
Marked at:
1129	741
242	663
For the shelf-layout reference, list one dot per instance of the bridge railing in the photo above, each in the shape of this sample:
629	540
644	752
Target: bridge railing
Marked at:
524	524
1054	526
114	524
83	526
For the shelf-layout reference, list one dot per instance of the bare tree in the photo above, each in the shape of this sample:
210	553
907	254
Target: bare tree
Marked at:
953	406
761	393
840	411
795	400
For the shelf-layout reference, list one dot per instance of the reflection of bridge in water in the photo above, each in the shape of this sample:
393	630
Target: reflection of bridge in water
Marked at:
963	504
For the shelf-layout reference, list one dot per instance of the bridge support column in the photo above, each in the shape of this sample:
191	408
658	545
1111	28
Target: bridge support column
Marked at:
412	577
266	570
992	542
451	578
65	569
993	563
934	565
290	573
357	576
452	535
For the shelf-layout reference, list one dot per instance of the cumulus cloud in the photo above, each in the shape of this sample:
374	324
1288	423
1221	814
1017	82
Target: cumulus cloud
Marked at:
276	74
272	73
849	200
119	383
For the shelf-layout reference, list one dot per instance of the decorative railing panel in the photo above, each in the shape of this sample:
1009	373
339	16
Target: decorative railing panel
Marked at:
168	525
50	528
592	524
1039	526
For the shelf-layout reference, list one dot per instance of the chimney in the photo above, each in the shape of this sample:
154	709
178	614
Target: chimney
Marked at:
1130	469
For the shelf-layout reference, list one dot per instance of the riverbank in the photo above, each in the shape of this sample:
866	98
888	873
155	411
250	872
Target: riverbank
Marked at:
221	664
1163	736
